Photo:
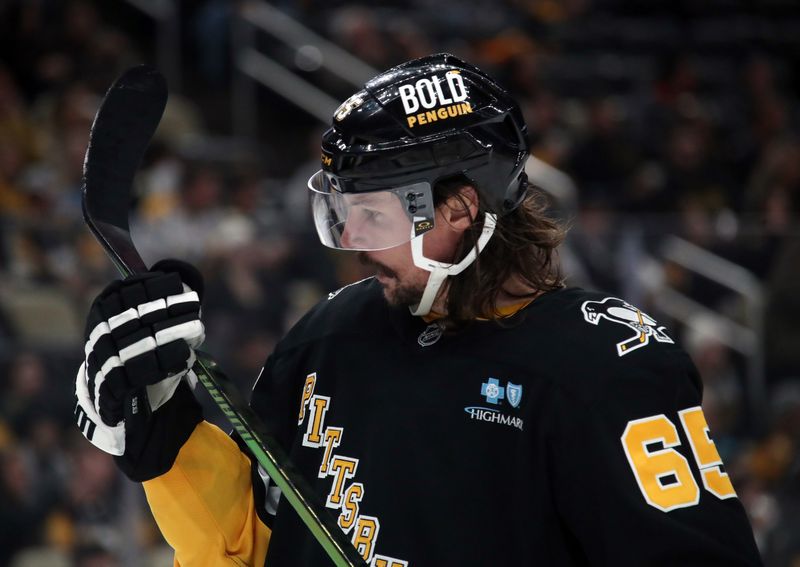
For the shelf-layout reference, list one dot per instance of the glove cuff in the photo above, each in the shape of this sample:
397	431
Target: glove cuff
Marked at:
152	447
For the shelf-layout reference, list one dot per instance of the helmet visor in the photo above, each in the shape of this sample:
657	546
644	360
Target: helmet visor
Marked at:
369	220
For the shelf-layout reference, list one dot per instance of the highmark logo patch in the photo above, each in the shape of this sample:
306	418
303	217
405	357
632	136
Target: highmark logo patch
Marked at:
433	98
493	391
496	394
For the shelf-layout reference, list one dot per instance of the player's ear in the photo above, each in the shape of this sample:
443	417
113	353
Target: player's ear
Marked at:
460	209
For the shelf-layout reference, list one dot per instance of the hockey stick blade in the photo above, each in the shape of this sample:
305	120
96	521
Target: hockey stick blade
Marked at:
123	126
121	132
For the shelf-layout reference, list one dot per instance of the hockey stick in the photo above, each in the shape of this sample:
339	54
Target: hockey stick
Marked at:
122	128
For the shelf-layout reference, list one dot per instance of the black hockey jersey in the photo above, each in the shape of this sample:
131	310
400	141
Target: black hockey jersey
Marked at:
568	434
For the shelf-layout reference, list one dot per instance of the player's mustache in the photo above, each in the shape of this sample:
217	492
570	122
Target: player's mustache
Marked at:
365	260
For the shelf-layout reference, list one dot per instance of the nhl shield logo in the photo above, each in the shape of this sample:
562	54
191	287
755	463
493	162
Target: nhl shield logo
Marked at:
430	335
514	394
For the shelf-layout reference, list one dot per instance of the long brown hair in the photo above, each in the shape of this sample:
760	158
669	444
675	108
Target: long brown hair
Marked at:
523	247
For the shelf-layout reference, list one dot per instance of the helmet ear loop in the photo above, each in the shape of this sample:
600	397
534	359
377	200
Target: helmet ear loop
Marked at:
439	271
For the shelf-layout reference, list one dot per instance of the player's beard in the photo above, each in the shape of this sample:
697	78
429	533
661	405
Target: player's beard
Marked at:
396	292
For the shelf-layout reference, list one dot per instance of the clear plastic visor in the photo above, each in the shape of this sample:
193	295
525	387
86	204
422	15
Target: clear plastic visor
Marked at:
373	220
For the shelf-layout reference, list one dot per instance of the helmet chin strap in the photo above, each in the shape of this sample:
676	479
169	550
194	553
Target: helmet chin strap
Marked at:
440	270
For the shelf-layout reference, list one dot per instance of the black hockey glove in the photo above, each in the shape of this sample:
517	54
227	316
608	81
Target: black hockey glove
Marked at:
134	387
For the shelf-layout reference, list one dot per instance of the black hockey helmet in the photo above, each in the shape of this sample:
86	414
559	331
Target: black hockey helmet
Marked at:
411	126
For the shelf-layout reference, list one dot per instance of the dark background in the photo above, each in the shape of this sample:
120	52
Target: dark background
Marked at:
664	133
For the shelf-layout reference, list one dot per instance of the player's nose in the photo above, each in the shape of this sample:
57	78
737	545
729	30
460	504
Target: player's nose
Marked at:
347	236
351	236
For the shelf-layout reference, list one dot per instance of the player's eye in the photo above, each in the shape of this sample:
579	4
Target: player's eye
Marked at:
372	216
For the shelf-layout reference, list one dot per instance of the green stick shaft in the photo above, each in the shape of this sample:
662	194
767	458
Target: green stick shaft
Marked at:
278	466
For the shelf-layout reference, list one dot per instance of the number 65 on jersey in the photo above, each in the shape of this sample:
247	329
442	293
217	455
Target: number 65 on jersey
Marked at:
663	474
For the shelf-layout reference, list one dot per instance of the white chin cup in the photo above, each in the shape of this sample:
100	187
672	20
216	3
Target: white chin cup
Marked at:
440	270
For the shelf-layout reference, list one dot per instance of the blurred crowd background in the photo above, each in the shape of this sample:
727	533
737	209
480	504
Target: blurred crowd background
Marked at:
665	133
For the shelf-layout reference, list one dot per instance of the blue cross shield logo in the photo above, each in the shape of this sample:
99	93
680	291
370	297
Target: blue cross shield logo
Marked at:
514	394
493	391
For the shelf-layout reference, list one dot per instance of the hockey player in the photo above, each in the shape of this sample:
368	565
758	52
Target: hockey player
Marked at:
460	408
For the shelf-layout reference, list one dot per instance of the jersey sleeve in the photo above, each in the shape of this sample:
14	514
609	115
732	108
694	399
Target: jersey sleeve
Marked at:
636	476
276	400
204	504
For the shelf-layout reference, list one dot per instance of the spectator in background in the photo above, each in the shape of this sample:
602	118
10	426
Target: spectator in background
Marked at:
782	333
605	158
22	510
93	503
550	138
722	384
357	29
189	226
770	484
783	545
19	145
25	391
592	240
93	555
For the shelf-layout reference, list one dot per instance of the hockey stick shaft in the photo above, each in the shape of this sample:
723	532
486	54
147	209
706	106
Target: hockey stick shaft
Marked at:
262	445
126	120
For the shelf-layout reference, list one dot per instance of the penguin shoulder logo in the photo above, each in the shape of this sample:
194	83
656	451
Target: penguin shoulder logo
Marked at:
623	313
